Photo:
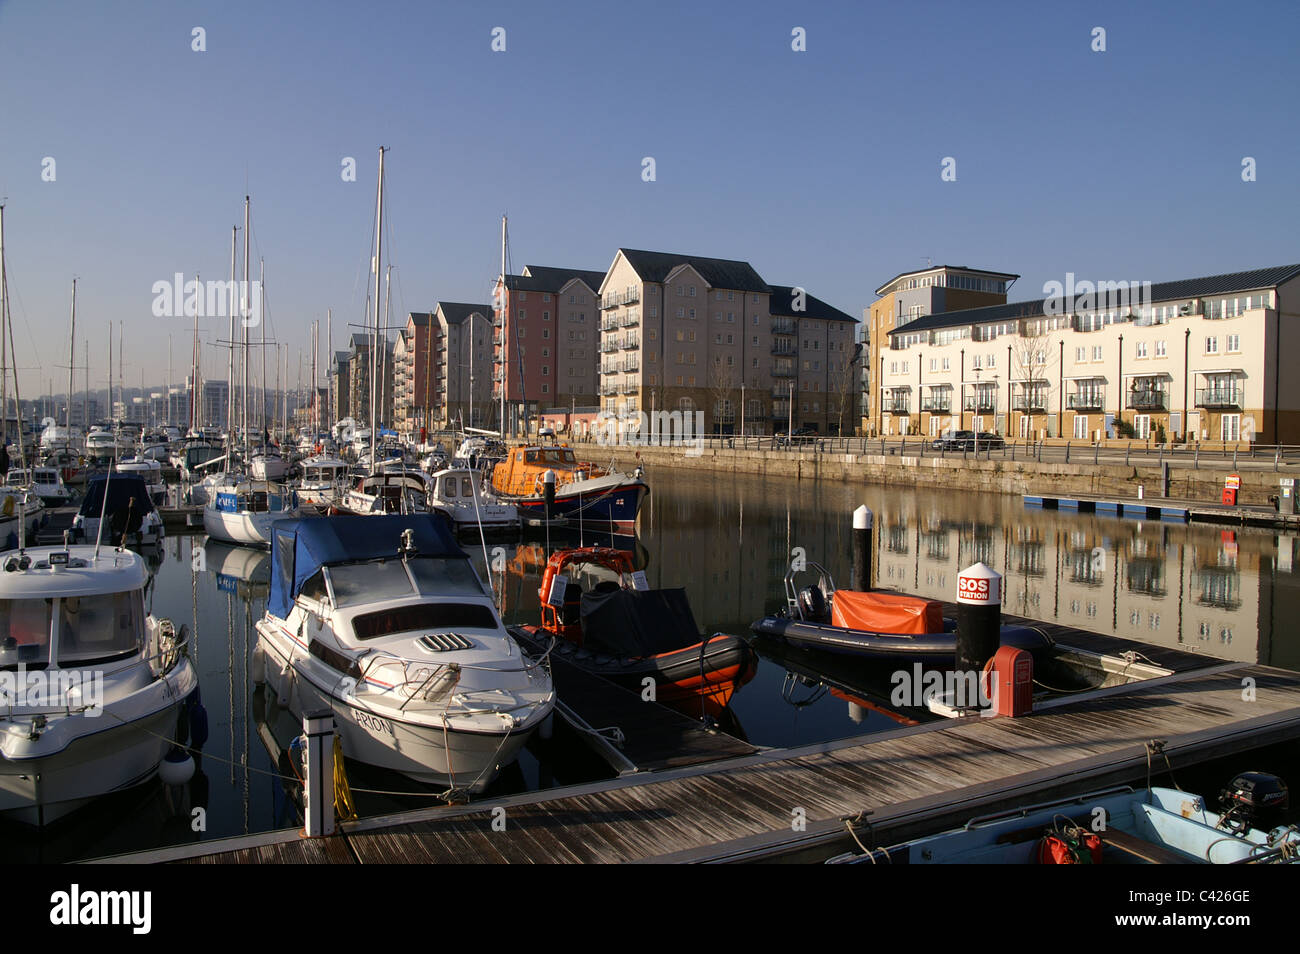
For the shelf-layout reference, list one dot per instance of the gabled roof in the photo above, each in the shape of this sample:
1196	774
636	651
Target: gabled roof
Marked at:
718	272
1207	286
783	299
547	278
419	318
457	312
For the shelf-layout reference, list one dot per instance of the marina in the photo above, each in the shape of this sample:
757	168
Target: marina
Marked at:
682	491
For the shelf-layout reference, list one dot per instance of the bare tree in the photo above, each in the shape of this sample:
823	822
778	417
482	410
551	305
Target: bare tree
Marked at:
844	383
722	383
1032	352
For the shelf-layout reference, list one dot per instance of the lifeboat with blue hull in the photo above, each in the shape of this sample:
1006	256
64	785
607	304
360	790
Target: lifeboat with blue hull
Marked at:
583	491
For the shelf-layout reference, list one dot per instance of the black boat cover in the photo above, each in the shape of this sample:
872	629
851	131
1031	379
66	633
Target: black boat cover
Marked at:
637	622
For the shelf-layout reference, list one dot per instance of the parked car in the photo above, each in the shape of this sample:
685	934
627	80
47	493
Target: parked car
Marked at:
954	440
988	441
802	435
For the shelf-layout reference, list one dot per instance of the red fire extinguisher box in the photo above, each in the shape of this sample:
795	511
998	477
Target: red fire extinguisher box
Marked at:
1011	681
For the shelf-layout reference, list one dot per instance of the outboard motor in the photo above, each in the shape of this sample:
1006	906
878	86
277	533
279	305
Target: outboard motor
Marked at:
812	605
1253	800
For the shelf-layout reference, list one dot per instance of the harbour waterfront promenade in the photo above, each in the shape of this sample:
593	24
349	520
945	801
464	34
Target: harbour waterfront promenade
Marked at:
1117	468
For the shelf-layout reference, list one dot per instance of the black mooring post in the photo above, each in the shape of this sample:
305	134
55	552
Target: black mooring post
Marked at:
862	521
979	617
548	493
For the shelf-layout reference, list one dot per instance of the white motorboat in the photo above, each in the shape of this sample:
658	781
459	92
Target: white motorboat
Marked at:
91	686
21	514
242	510
124	501
384	620
390	491
461	493
46	482
150	471
324	481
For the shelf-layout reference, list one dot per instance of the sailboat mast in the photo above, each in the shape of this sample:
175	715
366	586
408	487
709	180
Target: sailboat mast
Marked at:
505	318
261	288
247	307
196	389
379	257
110	372
72	362
230	364
329	363
4	348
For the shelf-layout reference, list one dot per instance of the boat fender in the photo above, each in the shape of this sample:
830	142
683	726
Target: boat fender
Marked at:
257	668
198	717
177	767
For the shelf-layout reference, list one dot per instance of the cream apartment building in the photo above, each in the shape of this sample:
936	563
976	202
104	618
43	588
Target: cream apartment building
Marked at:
694	334
1199	359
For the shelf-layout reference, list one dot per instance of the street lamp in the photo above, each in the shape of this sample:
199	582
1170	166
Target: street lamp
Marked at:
975	413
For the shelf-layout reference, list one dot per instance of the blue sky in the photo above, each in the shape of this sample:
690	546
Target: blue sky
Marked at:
821	168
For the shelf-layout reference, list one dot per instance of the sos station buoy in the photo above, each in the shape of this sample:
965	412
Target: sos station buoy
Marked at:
862	520
979	617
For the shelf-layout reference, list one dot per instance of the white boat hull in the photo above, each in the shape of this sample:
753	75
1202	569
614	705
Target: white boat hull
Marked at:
96	755
431	754
245	529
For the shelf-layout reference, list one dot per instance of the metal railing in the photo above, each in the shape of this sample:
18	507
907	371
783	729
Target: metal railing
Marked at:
1219	397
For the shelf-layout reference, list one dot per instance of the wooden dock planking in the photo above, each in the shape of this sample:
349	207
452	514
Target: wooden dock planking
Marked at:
908	778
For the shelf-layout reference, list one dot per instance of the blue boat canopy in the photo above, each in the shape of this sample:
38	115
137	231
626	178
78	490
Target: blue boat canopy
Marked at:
301	547
122	490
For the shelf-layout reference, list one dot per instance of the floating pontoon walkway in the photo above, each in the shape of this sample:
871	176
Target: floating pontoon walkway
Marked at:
1166	508
912	780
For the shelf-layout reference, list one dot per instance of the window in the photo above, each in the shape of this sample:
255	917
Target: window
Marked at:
1234	342
1141	349
1212	345
573	300
546	316
1160	348
1080	427
1231	427
692	314
546	333
1096	353
692	291
546	297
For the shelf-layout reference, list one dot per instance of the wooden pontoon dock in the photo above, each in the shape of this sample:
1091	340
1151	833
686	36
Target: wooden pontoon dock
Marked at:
787	802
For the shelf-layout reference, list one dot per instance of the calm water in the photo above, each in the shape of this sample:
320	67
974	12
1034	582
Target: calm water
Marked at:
727	541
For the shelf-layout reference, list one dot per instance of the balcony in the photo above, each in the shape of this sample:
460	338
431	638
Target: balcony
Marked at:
632	341
940	405
783	326
984	404
784	348
609	324
615	299
631	364
780	392
631	387
1087	401
1229	397
783	372
609	345
1148	399
898	408
630	320
1030	403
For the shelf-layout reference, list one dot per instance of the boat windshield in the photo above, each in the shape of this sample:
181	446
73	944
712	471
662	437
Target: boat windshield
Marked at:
99	627
357	583
25	632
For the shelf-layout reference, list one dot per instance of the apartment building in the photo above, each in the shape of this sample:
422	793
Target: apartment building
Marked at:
359	378
1197	358
340	386
413	377
546	353
688	333
912	295
462	365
